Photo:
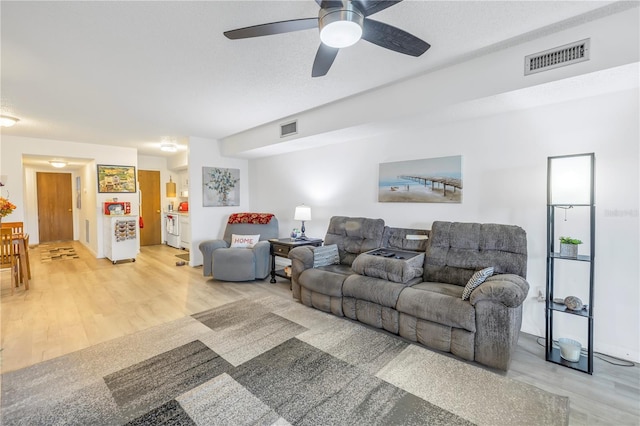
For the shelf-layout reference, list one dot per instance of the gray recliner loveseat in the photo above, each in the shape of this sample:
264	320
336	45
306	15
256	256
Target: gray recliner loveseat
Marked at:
423	303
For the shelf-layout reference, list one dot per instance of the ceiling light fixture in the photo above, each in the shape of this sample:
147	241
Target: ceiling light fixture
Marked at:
340	27
58	164
168	147
6	121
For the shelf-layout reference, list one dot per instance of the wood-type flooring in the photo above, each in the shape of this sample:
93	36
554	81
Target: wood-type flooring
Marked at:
78	303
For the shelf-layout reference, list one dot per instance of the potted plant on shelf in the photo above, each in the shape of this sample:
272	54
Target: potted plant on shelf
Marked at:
569	247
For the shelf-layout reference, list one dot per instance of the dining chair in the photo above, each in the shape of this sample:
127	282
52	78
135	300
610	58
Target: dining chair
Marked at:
7	255
17	227
18	230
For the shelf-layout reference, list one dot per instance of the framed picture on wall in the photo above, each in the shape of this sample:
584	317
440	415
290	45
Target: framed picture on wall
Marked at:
220	186
430	180
116	179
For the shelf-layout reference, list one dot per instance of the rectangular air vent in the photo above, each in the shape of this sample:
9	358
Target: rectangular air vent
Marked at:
289	129
568	54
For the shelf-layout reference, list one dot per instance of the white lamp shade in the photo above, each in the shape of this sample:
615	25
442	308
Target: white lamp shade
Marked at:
570	180
302	213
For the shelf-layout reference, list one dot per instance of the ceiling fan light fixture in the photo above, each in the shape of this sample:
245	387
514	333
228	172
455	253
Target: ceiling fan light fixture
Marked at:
340	27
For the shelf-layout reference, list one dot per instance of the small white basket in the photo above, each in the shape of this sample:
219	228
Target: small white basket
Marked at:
570	349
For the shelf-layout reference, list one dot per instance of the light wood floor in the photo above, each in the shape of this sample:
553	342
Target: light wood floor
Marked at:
73	304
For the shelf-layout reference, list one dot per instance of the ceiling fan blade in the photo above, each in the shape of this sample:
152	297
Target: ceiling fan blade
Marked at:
273	28
393	38
369	7
324	59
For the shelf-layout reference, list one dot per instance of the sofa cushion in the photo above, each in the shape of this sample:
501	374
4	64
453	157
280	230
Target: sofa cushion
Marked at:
325	280
325	255
396	270
234	264
420	301
376	290
354	235
475	280
455	251
441	288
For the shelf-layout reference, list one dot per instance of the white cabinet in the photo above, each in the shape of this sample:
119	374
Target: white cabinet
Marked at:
172	229
185	231
183	184
120	237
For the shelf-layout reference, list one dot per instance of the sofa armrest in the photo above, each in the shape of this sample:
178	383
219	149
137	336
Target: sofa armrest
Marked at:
207	248
301	260
509	290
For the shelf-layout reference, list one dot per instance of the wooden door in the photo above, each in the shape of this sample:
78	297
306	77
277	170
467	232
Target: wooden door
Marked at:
55	206
149	183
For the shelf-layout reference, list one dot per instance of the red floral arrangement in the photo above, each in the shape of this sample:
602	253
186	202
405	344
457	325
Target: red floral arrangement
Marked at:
253	218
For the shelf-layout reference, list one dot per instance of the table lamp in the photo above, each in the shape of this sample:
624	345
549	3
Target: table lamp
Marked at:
302	213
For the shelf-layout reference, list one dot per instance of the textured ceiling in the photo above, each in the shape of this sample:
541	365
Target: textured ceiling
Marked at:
133	73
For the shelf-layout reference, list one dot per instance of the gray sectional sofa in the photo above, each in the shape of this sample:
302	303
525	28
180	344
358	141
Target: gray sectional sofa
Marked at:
421	299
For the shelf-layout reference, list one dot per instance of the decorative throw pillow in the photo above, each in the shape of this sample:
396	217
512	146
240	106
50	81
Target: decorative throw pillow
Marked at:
244	241
475	280
326	255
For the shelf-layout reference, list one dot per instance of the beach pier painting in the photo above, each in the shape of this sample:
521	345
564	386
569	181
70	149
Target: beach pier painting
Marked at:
432	180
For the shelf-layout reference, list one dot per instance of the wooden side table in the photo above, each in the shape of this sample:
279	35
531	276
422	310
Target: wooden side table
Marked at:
282	246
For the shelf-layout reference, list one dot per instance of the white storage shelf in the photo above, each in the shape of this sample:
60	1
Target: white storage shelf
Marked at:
121	237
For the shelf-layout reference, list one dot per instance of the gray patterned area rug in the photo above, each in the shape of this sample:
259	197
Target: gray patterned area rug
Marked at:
264	362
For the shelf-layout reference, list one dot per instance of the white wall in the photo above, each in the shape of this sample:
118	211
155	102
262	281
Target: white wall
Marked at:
504	172
210	222
22	188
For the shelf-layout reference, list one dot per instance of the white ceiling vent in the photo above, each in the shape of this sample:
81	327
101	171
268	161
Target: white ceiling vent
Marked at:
288	129
568	54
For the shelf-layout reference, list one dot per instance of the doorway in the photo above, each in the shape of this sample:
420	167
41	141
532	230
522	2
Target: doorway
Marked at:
149	184
55	207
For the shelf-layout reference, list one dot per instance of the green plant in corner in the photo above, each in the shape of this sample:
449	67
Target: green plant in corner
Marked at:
569	240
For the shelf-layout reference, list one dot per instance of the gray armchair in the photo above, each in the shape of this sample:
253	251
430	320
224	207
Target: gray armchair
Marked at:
225	263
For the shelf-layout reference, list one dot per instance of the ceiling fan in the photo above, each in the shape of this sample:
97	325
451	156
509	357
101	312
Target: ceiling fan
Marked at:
342	24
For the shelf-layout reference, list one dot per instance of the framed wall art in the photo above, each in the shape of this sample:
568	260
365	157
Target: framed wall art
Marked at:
116	179
432	180
220	187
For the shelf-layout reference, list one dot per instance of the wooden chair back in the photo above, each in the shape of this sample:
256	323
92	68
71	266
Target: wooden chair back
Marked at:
8	258
16	227
7	255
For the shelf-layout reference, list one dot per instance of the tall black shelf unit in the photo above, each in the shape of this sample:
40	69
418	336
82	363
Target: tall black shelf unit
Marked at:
585	364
